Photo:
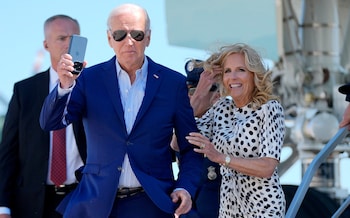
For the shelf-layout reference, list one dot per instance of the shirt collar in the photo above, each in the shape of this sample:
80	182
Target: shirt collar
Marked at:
142	70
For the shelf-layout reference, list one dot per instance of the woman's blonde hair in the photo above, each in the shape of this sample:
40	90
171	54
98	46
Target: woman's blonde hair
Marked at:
263	91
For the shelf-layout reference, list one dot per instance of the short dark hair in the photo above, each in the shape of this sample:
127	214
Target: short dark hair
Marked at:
60	16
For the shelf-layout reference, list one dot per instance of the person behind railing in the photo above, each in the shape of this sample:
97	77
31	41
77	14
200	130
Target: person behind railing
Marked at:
244	133
203	92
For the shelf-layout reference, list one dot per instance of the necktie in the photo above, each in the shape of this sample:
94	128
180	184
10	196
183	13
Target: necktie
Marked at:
58	161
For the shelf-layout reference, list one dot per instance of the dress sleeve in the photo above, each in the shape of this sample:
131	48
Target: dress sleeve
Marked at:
272	130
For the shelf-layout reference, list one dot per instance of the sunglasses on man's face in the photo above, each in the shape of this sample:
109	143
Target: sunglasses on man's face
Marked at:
119	35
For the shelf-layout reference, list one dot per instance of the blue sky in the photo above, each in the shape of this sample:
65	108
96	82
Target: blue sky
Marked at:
21	36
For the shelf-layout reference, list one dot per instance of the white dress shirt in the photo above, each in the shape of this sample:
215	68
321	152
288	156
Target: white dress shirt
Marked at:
131	96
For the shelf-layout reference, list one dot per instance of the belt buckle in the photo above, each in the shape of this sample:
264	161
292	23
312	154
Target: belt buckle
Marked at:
60	190
128	192
122	196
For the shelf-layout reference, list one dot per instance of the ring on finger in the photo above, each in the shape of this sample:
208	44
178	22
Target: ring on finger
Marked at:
202	145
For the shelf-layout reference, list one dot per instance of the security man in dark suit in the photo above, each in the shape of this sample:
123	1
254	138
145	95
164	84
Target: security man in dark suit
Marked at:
204	92
26	190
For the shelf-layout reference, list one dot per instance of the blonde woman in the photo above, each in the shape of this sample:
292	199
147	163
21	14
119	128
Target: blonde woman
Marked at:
244	132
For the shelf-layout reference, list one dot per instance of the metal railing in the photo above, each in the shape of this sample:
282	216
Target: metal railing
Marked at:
342	208
316	162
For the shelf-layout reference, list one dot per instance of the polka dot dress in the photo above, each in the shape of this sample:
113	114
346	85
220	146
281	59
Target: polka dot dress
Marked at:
244	132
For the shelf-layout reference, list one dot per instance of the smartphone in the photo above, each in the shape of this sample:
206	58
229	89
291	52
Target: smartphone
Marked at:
77	48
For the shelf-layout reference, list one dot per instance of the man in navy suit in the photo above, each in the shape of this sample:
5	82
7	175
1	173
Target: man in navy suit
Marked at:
130	108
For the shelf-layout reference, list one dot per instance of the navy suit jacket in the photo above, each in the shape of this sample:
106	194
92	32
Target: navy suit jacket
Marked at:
165	108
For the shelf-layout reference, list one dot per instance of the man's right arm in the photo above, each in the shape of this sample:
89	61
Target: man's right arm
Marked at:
53	110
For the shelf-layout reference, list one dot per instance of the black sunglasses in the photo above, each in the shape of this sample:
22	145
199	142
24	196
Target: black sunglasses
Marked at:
119	35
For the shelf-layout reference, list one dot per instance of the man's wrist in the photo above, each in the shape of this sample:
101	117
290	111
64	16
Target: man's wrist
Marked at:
177	189
62	91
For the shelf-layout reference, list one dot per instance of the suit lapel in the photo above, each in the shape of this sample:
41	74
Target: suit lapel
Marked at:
42	87
154	79
111	83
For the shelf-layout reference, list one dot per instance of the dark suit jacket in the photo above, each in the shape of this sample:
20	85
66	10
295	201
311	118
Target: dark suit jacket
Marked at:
165	107
24	150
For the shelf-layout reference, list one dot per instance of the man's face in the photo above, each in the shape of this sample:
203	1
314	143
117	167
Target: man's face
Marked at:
57	38
130	49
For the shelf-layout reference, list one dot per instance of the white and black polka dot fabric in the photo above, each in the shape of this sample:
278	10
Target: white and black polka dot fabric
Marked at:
248	133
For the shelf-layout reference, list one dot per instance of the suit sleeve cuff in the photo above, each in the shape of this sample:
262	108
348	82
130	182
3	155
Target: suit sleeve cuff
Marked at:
177	189
62	92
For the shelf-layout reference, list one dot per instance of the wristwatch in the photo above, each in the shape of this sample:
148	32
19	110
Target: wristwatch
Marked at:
227	160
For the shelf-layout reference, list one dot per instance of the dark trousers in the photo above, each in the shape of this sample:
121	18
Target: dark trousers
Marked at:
52	200
137	206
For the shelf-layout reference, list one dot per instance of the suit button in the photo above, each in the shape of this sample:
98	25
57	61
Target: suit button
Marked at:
120	168
129	143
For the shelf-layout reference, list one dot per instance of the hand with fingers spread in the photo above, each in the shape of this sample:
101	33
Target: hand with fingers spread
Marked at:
205	147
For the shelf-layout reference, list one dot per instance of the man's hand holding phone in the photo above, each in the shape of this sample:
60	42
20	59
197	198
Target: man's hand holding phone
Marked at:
64	70
71	64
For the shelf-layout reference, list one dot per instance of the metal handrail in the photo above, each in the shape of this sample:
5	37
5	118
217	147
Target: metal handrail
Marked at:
342	208
316	162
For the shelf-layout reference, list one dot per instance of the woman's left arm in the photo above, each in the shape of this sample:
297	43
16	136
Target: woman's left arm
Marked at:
260	166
